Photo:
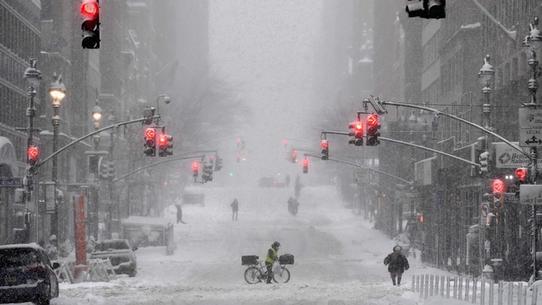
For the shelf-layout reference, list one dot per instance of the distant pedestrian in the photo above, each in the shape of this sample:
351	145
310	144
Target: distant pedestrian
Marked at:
51	249
234	210
179	214
397	264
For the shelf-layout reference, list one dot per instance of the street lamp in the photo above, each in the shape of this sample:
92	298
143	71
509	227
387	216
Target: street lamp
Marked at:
97	115
57	91
486	77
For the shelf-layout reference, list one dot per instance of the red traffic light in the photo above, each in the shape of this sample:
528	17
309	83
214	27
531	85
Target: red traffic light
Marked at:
90	9
521	174
33	153
372	121
195	166
498	186
305	165
293	157
150	134
324	144
162	140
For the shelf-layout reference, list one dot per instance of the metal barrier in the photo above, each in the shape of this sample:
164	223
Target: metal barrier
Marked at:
100	270
64	273
477	291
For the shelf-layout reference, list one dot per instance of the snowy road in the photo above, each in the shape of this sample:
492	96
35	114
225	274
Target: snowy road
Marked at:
338	257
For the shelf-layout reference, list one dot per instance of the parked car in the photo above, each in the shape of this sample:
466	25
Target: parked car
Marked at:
26	275
120	253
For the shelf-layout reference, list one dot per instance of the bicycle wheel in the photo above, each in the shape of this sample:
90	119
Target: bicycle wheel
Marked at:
252	275
283	276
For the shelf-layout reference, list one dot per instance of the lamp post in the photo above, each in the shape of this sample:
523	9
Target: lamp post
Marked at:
486	77
33	77
534	42
57	91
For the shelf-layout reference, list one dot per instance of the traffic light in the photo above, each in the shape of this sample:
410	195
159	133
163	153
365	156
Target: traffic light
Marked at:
195	169
373	125
498	186
522	174
107	170
305	166
90	12
428	9
207	173
218	163
150	142
293	156
148	114
33	155
324	144
357	133
164	145
484	162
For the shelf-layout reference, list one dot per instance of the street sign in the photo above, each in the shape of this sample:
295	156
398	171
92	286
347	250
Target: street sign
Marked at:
530	194
530	127
508	157
15	182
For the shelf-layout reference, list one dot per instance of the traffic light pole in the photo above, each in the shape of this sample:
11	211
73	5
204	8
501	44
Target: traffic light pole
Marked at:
453	117
354	164
97	131
135	171
411	145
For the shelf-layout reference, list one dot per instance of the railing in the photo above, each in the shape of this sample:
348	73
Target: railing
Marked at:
476	291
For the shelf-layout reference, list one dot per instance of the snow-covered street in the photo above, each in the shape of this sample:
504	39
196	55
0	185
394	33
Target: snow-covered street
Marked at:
338	256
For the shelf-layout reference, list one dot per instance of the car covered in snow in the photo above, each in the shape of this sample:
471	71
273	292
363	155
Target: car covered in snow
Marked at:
120	254
26	275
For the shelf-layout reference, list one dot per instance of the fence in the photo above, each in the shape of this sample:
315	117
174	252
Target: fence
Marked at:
477	291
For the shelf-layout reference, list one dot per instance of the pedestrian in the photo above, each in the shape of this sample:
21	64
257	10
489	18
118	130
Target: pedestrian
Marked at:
397	264
179	214
234	210
51	249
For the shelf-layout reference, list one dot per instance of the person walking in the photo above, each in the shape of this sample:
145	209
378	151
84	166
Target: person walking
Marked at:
179	214
51	249
397	264
272	257
234	210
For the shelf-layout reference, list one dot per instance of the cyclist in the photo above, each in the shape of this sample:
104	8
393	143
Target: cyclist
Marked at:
272	256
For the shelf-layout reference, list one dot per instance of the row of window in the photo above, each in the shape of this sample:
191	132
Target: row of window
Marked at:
17	36
12	70
12	107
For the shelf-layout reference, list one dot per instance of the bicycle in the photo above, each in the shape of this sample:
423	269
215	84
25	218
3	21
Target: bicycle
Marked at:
257	272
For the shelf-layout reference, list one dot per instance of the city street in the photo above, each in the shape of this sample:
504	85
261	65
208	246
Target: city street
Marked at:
338	256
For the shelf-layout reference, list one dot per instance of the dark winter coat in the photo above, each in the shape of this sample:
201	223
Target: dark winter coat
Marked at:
397	262
235	205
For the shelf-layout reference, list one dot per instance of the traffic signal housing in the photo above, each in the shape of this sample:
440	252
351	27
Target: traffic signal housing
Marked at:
90	12
356	128
165	145
218	163
484	162
33	156
195	169
305	166
207	172
150	142
373	125
428	9
324	144
522	175
293	156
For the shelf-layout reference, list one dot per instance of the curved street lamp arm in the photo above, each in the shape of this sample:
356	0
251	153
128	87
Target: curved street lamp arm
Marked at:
354	164
510	34
453	117
429	149
72	143
135	171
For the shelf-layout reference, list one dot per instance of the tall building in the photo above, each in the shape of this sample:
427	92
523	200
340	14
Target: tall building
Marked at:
442	59
19	41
